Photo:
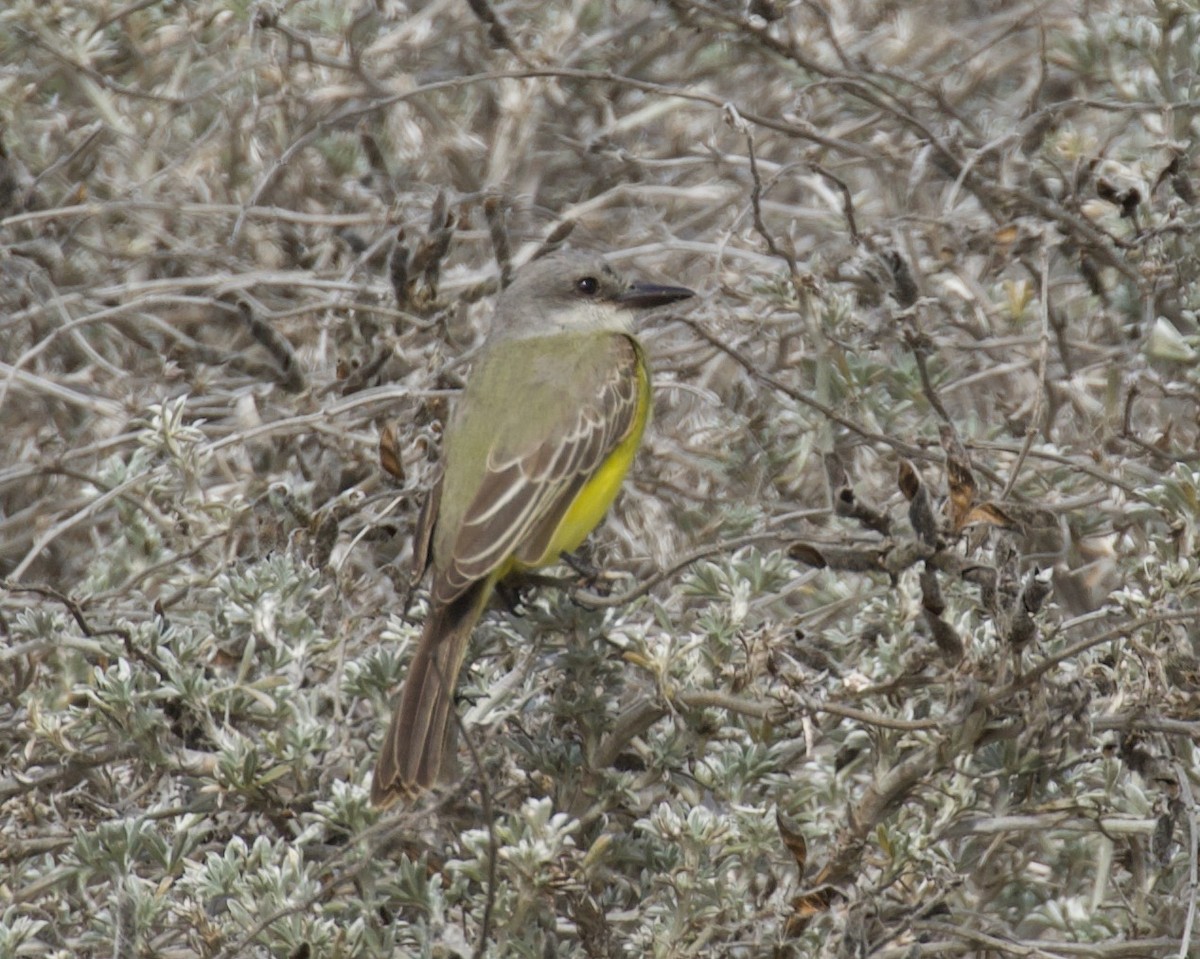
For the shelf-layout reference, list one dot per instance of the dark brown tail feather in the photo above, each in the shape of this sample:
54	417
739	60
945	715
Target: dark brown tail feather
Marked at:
413	748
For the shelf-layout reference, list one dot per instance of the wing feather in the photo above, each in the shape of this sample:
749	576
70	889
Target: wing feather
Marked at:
523	496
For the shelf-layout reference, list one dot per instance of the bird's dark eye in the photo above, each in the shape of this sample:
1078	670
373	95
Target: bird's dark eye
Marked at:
587	285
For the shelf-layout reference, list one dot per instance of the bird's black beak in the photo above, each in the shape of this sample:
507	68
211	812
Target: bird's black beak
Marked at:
646	296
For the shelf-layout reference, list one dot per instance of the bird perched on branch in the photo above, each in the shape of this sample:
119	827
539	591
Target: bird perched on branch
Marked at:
534	455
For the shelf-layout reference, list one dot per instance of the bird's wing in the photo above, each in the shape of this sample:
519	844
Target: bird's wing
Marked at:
424	539
540	452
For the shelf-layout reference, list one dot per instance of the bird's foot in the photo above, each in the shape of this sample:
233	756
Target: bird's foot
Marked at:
514	589
591	577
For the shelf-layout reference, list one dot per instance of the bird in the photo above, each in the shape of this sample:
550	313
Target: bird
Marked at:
533	455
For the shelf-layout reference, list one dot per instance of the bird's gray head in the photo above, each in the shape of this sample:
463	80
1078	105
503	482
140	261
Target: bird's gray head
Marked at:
574	291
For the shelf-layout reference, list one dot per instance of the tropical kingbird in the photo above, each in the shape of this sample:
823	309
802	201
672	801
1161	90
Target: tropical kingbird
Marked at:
533	456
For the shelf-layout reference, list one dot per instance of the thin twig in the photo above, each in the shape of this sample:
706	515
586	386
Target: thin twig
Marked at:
756	194
1183	780
597	601
1039	404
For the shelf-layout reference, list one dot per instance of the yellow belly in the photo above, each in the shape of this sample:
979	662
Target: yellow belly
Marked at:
597	495
594	499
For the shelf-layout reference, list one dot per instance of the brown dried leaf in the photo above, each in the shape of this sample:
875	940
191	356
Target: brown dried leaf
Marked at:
931	592
989	514
1007	235
909	480
809	904
389	453
803	910
807	554
945	637
960	479
794	840
920	510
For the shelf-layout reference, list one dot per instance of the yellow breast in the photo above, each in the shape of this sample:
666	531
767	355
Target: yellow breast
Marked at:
597	495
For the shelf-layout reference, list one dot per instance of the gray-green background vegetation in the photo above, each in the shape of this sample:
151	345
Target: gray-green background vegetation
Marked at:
895	651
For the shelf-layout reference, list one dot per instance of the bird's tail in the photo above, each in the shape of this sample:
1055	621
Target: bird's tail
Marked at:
415	744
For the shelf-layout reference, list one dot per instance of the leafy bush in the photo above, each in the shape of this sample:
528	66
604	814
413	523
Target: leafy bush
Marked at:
895	647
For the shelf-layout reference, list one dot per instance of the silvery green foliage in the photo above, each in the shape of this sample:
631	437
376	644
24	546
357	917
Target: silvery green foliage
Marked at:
241	244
